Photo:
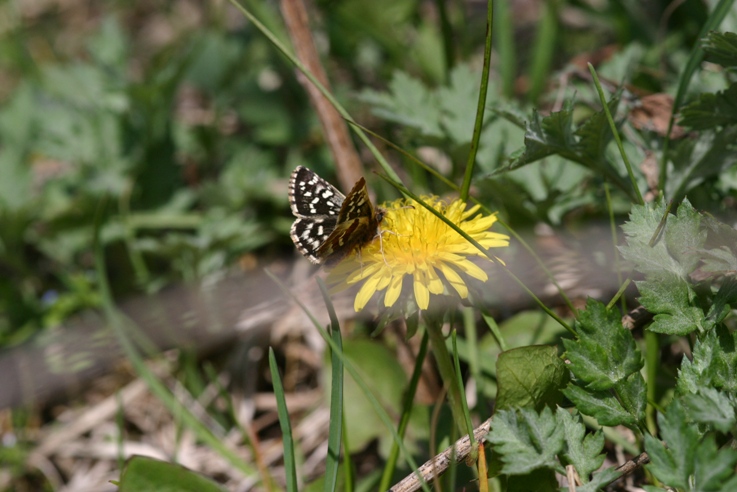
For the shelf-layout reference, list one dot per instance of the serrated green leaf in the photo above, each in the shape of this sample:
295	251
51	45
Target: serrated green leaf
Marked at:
712	408
724	361
721	48
695	160
688	462
602	405
526	440
673	251
408	103
595	134
698	372
719	260
713	466
711	110
582	450
714	364
725	297
683	236
548	135
605	352
675	464
632	394
639	232
719	254
670	298
598	481
530	376
458	104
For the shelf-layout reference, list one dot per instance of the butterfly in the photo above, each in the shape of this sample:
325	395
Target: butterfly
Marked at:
329	225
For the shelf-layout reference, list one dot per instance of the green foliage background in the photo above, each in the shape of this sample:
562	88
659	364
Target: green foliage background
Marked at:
177	151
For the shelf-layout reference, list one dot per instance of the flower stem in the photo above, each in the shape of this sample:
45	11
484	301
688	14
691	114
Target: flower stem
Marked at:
445	366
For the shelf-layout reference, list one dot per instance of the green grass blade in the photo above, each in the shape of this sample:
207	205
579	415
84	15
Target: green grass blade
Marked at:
461	388
542	52
119	325
615	132
336	397
360	381
694	61
409	398
480	105
290	469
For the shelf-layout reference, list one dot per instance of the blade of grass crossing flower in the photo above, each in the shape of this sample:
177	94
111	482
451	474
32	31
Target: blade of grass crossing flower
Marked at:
461	389
615	132
386	420
334	102
409	398
290	469
481	105
475	201
475	243
336	397
120	325
715	18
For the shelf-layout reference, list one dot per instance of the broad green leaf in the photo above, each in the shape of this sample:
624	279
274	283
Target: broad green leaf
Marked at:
711	408
711	110
721	48
142	474
672	299
582	450
602	405
526	440
688	462
605	352
530	377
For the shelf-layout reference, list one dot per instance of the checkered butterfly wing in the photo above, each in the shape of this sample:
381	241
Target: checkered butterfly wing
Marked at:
330	226
316	204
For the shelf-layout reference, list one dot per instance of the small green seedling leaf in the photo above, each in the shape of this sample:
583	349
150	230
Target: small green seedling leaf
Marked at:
530	377
143	474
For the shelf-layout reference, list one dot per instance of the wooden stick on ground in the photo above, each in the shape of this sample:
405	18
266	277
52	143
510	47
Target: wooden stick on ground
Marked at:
437	465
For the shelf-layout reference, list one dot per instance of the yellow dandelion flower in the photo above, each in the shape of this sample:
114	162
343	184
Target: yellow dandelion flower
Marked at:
418	245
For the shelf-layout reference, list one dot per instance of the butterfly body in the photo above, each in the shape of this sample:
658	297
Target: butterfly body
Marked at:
329	225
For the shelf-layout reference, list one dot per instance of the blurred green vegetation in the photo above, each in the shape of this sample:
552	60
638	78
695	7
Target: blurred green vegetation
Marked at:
172	126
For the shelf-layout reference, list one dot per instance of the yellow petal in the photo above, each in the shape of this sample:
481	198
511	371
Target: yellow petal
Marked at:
392	293
455	280
422	295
